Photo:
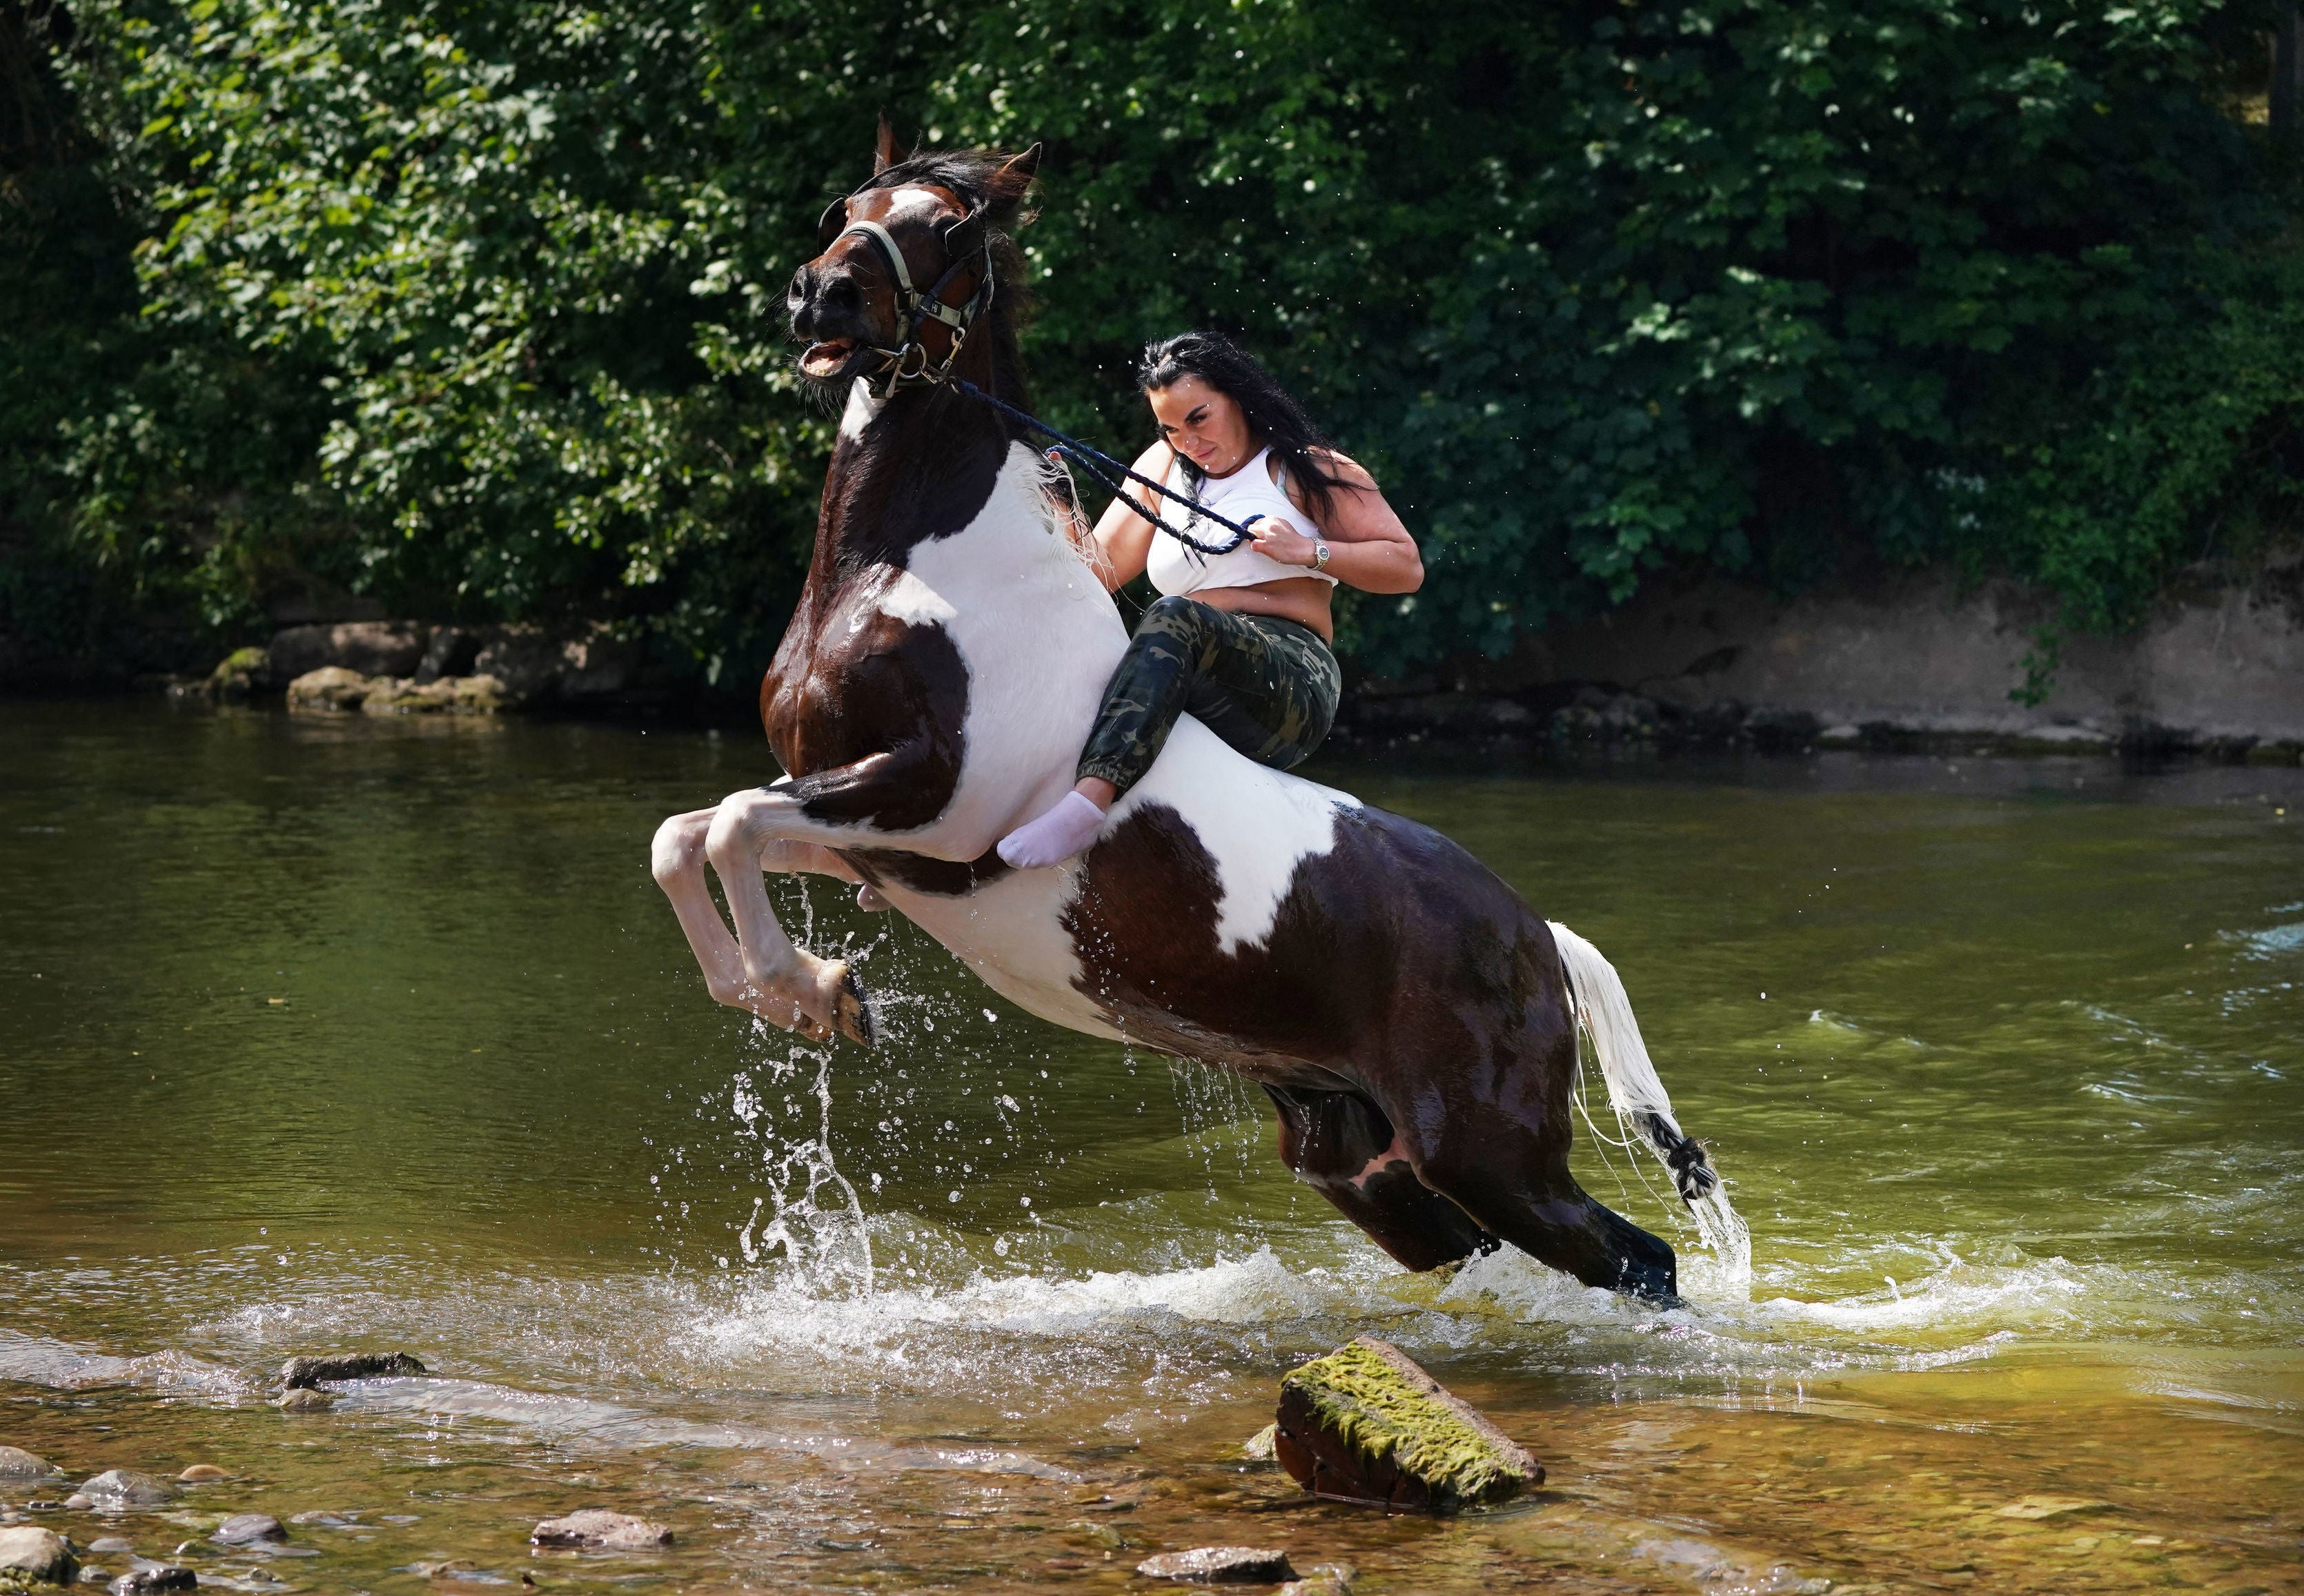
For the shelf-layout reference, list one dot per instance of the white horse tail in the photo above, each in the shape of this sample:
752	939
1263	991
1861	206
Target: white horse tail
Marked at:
1597	993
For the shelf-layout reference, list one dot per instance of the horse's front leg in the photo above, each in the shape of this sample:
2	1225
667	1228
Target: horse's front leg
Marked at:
830	808
676	859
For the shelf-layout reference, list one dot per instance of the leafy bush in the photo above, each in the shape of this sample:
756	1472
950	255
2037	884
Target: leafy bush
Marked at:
477	305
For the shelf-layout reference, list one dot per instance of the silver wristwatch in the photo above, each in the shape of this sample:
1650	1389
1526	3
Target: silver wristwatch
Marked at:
1319	555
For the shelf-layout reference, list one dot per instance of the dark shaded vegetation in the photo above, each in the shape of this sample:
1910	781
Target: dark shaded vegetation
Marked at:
473	311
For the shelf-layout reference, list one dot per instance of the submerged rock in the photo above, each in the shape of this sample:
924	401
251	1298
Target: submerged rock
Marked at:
298	1372
36	1554
1220	1564
202	1473
18	1467
126	1488
1322	1579
249	1529
1258	1447
303	1399
163	1576
599	1530
1366	1424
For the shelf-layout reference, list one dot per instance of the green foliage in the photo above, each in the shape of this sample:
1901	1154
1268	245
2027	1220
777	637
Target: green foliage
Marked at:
475	306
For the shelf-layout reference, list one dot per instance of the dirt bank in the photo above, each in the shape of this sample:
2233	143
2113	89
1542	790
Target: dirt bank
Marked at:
1916	662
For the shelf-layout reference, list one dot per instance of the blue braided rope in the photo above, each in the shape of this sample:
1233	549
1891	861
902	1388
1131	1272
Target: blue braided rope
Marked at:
1093	459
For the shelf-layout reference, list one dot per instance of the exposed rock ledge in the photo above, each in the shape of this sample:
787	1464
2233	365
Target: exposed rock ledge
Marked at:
384	667
1918	663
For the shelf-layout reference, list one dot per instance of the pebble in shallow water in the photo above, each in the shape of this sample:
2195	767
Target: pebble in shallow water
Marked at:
203	1473
38	1554
303	1399
1220	1564
247	1529
598	1530
17	1464
127	1488
140	1582
346	1365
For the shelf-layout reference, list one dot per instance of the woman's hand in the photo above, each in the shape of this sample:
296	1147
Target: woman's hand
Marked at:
1276	540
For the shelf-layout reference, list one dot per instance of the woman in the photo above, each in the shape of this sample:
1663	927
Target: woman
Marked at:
1242	639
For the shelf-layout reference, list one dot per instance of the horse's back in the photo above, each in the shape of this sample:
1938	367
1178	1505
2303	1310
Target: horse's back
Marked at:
1249	917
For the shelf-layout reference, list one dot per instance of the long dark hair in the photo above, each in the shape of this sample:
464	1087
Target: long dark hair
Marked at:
1271	411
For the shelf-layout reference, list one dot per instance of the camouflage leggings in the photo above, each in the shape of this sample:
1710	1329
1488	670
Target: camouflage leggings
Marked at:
1266	686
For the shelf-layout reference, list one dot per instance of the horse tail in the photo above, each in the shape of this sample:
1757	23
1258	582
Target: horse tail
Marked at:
1595	993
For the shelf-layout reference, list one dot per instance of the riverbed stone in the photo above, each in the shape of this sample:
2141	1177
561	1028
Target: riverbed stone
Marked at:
306	1372
1322	1579
249	1529
39	1554
160	1576
127	1487
239	674
333	689
1220	1565
598	1530
18	1467
304	1399
1366	1424
202	1473
111	1546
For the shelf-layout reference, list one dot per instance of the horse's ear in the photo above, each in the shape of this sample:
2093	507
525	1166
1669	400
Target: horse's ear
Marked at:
884	152
1019	169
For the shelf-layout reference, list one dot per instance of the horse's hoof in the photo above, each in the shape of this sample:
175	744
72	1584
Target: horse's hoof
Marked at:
851	1010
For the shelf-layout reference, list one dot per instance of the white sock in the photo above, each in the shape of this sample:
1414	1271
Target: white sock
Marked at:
1056	837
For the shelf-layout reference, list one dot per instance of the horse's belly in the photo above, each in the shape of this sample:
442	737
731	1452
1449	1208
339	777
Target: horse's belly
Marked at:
1010	933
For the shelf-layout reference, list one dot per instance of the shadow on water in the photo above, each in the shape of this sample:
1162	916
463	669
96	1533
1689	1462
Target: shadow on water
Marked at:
322	1032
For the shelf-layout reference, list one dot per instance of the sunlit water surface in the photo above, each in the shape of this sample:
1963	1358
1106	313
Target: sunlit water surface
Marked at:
320	1033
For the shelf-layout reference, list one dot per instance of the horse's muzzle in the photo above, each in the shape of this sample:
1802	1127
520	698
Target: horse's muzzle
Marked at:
829	315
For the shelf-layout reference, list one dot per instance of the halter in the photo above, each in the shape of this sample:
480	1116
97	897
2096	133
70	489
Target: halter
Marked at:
908	366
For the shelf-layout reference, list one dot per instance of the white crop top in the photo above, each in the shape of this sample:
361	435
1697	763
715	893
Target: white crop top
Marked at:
1250	492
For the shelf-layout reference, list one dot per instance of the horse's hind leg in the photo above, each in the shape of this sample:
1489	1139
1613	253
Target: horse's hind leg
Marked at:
1513	1178
1341	1144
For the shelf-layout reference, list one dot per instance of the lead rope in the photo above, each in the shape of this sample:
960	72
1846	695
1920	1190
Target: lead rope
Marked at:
1096	461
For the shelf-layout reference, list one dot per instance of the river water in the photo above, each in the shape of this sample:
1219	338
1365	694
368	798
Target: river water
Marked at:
342	1032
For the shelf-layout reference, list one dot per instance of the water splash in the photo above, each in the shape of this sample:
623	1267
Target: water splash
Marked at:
810	1212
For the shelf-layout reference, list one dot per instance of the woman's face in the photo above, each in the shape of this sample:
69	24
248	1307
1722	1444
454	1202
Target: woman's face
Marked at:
1203	424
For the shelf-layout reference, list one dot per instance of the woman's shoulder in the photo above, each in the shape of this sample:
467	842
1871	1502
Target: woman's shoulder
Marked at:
1156	459
1343	467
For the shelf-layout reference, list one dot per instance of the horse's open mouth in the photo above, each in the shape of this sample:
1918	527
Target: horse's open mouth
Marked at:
827	358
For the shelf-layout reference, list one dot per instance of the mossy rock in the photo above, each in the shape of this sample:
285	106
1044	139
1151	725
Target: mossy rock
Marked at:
1366	1424
237	673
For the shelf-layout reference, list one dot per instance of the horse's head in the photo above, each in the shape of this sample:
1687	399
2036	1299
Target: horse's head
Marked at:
907	261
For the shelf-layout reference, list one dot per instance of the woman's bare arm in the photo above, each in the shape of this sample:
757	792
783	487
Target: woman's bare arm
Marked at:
1368	548
1122	532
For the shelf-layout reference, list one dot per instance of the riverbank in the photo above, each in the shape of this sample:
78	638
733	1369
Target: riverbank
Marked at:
1919	663
1916	664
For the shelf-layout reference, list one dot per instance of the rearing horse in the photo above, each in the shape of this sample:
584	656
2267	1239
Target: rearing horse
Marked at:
1413	1020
